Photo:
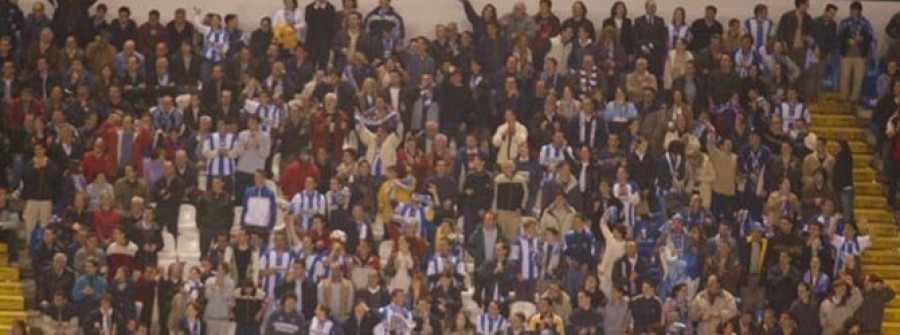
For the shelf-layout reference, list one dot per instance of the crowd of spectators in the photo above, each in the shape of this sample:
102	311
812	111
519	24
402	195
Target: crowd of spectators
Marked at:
527	173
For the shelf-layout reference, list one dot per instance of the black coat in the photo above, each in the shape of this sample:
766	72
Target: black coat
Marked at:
168	198
210	93
620	274
788	25
703	33
320	24
185	75
626	35
310	297
364	326
215	212
650	33
50	282
93	324
184	326
499	282
141	237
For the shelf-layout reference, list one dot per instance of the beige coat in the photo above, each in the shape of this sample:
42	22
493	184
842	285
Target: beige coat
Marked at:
833	316
723	309
703	176
508	147
561	220
676	66
725	164
811	163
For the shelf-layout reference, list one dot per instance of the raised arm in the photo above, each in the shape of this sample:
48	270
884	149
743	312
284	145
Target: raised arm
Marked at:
198	22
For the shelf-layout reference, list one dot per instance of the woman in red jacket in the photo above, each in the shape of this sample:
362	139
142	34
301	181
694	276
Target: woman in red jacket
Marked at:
106	218
97	160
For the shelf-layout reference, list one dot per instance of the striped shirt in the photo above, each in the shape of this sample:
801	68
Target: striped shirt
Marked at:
217	165
396	319
215	41
438	264
551	156
489	327
281	262
761	30
525	252
307	204
269	114
629	201
791	113
316	268
418	214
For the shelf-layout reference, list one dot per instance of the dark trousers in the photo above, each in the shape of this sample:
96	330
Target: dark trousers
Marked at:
206	238
526	289
723	206
242	181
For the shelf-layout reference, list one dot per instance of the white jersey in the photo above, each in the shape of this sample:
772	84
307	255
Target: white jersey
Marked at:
281	262
307	204
487	326
791	114
525	253
219	164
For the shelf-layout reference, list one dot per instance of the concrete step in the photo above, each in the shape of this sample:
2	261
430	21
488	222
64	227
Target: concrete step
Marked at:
857	147
864	175
880	230
835	133
886	243
833	120
881	257
869	188
871	201
12	303
831	107
890	328
10	317
862	161
887	271
9	274
874	215
11	288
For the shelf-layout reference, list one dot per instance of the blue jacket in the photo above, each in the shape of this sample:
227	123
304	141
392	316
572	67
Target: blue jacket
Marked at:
264	192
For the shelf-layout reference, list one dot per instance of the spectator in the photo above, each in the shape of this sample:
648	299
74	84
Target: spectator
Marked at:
855	34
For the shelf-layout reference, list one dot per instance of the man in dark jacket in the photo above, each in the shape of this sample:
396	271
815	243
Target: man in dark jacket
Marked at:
650	38
39	180
826	33
496	275
793	28
481	244
876	296
855	34
362	322
320	18
628	269
302	290
385	18
286	317
105	320
56	277
704	28
167	192
585	318
215	213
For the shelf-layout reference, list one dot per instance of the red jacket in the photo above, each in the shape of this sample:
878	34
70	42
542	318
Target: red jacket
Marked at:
92	164
15	118
149	36
293	178
329	131
104	223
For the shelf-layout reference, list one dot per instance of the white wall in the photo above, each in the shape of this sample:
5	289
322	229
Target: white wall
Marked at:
422	15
